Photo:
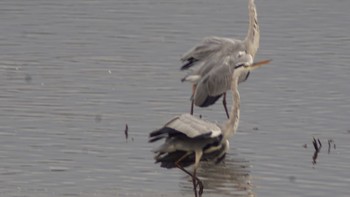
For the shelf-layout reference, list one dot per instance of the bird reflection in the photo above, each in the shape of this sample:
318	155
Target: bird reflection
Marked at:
229	178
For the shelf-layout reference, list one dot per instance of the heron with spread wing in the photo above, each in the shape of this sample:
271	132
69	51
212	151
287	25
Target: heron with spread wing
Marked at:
188	139
214	51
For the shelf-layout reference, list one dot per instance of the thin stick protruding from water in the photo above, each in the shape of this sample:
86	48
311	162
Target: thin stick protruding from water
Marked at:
330	141
126	132
317	150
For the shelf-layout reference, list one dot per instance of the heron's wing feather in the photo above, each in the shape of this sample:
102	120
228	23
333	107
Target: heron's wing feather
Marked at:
214	83
210	49
189	126
218	80
194	127
207	46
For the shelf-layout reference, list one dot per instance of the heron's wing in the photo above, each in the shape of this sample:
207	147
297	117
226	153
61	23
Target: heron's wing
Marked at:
218	80
188	126
214	83
202	67
207	46
208	49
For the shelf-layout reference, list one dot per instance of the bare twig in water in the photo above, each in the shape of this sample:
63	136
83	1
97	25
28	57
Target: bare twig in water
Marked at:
314	142
329	145
330	141
317	147
319	142
126	132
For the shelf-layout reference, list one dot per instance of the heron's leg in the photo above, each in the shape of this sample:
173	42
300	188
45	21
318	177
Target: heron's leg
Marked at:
180	167
198	156
192	104
192	97
225	106
187	172
199	182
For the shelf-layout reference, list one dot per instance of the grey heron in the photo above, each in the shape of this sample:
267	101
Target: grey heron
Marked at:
213	51
189	139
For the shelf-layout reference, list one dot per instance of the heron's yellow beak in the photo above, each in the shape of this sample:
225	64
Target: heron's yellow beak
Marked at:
256	65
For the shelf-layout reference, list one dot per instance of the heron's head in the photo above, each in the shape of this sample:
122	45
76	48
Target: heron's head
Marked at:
245	65
243	58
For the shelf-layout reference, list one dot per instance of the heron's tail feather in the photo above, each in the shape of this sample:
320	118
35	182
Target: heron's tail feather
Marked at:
156	139
190	62
191	78
162	133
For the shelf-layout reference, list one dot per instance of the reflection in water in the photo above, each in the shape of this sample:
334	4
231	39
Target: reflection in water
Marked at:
230	178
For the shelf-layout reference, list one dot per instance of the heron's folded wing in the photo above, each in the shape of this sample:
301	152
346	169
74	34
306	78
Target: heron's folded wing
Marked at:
218	80
188	126
194	127
215	83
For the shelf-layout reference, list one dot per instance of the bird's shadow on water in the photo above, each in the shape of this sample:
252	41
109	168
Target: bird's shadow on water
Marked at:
228	178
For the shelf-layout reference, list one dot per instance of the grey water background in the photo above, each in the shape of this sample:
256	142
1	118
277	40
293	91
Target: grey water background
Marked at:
73	73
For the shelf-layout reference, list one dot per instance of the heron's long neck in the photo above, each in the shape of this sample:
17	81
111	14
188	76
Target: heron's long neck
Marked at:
253	36
232	124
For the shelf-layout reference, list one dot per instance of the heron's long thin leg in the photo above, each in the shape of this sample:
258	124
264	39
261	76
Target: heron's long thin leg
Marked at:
192	98
181	158
180	167
224	103
198	156
199	182
192	104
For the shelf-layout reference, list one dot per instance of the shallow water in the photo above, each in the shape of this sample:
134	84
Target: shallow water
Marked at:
73	73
